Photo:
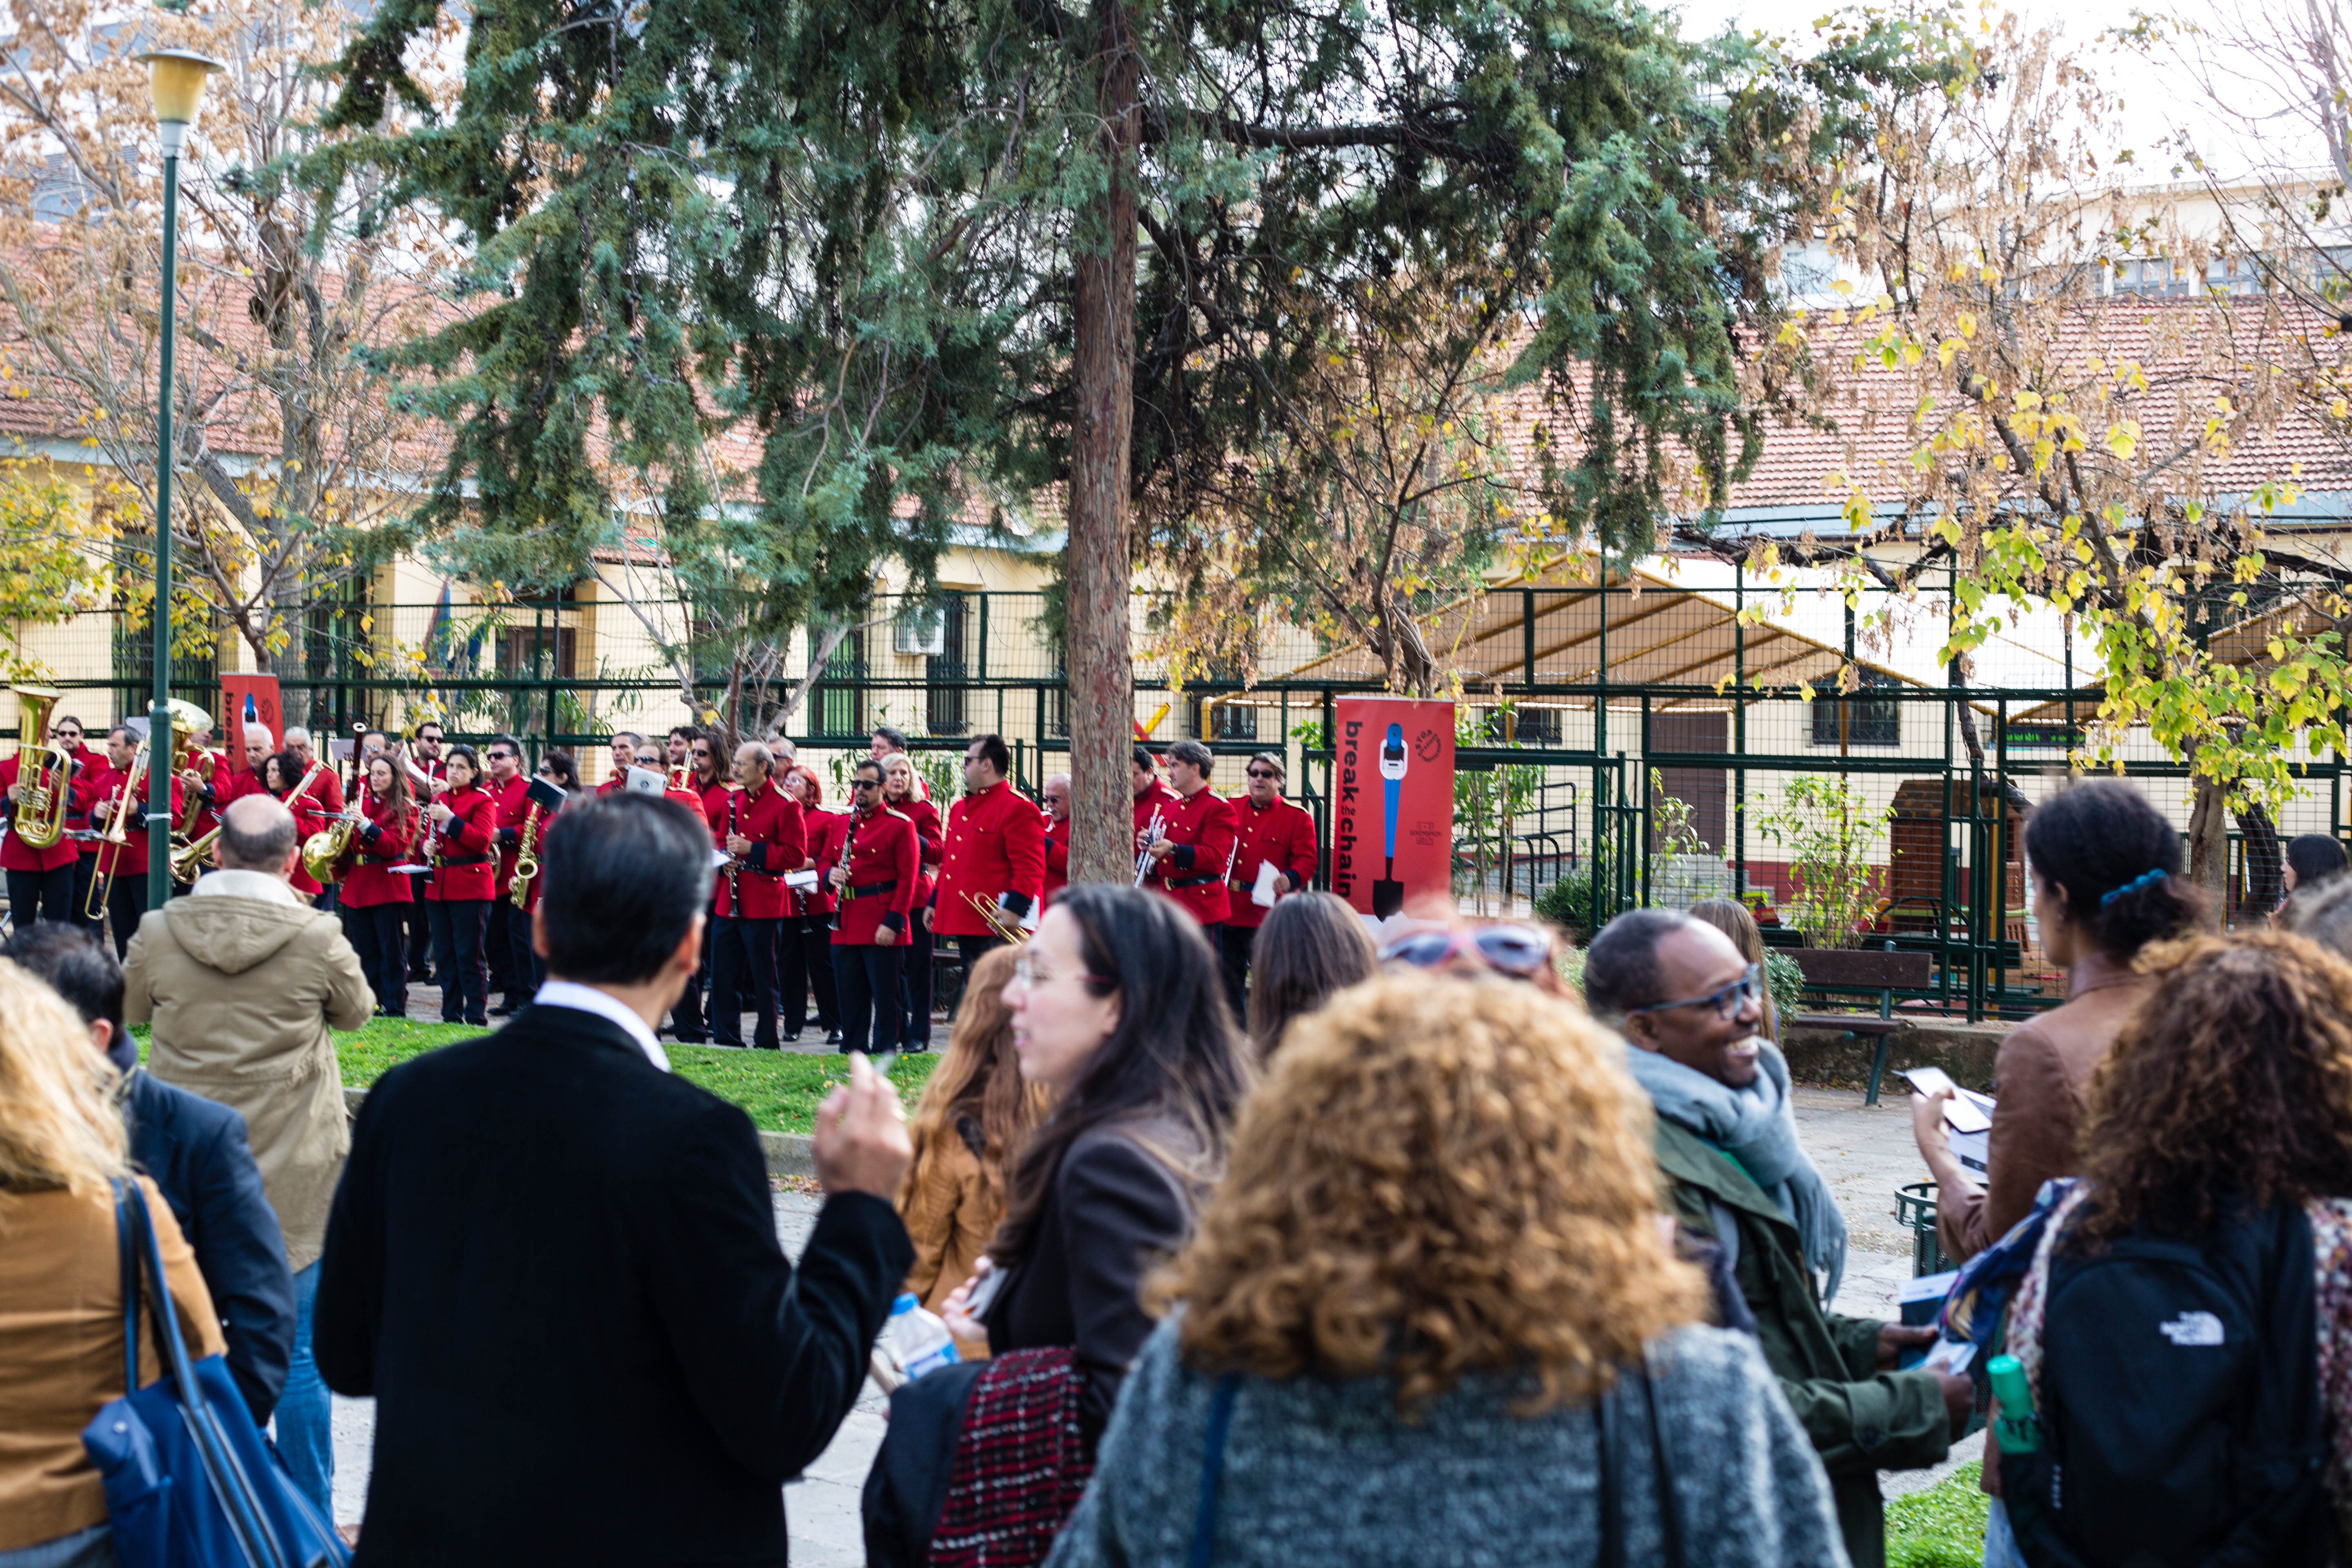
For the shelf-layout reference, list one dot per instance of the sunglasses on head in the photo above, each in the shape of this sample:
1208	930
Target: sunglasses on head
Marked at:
1512	949
1727	1002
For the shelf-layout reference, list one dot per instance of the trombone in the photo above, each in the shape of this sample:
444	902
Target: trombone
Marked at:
117	836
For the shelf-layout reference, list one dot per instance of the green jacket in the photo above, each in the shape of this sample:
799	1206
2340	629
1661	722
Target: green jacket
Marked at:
1860	1420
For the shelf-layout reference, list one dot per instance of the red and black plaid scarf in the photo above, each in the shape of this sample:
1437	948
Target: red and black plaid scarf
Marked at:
1020	1464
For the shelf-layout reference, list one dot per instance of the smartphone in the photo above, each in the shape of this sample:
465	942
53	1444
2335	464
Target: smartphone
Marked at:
1963	1113
984	1295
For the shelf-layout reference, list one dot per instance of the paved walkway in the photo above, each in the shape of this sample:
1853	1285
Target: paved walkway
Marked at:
1865	1153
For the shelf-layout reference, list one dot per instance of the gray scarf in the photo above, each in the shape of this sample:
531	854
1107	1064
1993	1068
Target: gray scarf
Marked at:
1757	1126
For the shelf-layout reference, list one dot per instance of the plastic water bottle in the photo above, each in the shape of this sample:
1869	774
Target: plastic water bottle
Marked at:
917	1339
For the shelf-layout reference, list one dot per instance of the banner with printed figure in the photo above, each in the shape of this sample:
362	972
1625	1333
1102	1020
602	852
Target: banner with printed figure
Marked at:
248	700
1392	805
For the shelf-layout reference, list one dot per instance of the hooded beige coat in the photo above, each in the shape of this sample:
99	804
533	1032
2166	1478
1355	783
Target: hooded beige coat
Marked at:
241	991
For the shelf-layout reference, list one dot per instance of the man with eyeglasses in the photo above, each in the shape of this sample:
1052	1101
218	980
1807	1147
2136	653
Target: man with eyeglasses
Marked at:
1055	796
1690	1007
1267	831
876	887
41	882
508	943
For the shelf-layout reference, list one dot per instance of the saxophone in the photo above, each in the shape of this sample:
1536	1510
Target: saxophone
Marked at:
526	858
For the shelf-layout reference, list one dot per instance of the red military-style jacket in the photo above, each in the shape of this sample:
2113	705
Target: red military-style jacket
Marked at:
382	842
130	858
463	865
1202	829
1158	798
825	829
995	852
770	819
513	801
1282	832
218	786
886	858
1057	858
310	815
15	855
929	836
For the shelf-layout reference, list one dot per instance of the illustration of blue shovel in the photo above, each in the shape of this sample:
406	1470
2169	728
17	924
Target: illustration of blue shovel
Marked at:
1388	893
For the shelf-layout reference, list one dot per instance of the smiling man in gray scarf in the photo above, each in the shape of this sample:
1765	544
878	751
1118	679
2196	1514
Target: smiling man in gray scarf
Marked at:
1689	1006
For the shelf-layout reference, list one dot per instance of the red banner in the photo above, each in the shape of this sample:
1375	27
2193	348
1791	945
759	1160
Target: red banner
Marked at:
249	698
1393	814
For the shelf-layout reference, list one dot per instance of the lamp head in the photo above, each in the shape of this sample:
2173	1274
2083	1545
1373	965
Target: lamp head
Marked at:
177	77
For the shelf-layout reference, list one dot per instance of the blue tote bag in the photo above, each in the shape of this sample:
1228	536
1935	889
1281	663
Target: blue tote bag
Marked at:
190	1480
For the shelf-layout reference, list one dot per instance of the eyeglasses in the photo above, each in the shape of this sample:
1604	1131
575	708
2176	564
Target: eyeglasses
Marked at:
1516	950
1728	1003
1025	972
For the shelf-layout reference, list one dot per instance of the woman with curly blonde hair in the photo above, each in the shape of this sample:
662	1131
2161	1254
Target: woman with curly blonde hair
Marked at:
1432	1304
62	1149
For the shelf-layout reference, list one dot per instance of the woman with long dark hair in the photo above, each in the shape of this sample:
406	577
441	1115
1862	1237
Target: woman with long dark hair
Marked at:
1118	1011
283	773
1310	945
976	1113
375	897
458	891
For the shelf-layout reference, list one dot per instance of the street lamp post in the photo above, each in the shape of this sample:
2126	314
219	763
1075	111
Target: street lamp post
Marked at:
177	78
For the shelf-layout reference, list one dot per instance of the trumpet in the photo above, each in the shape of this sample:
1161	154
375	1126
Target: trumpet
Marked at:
1143	856
117	833
526	860
998	919
45	797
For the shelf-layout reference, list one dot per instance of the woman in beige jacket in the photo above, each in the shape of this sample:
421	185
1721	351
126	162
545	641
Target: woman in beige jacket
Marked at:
61	1147
966	1130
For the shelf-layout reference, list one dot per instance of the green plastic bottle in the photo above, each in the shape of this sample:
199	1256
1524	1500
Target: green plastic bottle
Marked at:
2017	1428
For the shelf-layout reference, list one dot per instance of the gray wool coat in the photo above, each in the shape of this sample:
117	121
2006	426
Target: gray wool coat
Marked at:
1321	1471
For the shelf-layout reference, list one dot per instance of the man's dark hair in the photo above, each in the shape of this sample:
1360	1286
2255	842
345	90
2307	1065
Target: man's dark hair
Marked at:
623	876
127	729
631	736
1620	967
566	771
997	754
76	964
1269	760
1193	752
897	737
2317	858
691	733
1144	759
432	724
509	742
245	849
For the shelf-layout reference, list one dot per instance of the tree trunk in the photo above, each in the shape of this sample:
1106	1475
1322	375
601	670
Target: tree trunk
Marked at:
2208	837
1101	702
2266	859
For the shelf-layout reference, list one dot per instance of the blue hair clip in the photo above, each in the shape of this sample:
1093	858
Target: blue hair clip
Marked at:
2145	879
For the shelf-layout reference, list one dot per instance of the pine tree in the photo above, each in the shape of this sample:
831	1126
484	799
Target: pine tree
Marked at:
928	247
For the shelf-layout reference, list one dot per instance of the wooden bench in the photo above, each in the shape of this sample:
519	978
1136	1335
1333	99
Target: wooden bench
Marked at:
1864	969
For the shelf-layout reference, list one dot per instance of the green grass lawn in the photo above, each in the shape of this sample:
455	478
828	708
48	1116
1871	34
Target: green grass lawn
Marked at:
1942	1527
782	1090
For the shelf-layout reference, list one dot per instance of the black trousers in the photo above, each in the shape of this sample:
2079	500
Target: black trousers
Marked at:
743	963
498	953
686	1018
126	901
514	927
85	873
329	897
460	927
805	964
915	983
1234	959
866	979
420	938
379	933
35	896
969	949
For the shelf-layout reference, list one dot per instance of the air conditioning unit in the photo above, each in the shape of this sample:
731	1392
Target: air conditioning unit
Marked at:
921	629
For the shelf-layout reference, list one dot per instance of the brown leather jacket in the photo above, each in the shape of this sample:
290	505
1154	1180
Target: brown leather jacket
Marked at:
2038	1083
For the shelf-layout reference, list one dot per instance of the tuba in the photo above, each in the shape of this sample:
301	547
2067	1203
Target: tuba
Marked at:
45	796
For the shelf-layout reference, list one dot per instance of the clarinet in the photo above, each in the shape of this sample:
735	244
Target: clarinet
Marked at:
734	871
849	837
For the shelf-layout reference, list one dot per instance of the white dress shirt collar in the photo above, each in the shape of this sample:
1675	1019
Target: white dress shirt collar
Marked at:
588	999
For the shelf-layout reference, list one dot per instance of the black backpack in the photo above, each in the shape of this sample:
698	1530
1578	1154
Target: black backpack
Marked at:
2182	1420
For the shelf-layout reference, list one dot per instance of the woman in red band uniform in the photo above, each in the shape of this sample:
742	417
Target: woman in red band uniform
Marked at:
902	793
282	775
1267	831
877	889
376	898
125	866
804	959
457	891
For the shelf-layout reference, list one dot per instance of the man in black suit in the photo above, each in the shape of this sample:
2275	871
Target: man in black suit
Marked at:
195	1151
555	1266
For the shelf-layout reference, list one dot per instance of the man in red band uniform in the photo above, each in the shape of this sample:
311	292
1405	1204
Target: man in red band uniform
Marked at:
507	946
126	863
41	881
90	782
1193	853
759	827
425	752
1151	797
995	852
1269	830
326	792
876	890
625	746
888	740
1057	837
706	792
214	783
